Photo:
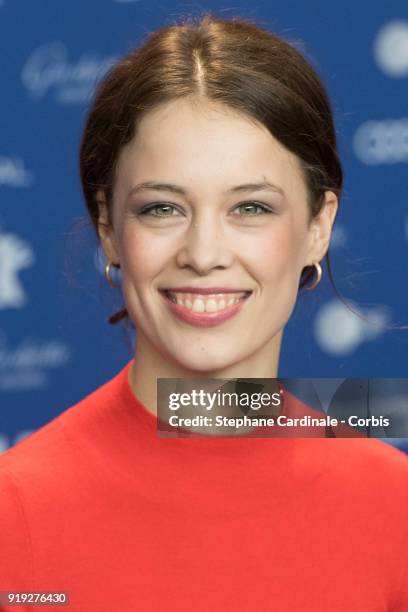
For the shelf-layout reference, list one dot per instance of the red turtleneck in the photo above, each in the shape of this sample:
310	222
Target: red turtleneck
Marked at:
96	505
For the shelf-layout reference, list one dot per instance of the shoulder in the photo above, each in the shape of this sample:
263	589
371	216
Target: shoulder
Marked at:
16	560
364	478
35	471
369	458
361	462
48	461
358	474
46	471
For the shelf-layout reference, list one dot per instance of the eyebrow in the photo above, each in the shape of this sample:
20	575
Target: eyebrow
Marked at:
170	187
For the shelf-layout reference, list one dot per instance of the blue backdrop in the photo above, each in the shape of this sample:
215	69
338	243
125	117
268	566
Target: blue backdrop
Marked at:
55	343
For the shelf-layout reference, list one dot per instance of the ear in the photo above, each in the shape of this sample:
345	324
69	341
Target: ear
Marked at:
105	229
320	229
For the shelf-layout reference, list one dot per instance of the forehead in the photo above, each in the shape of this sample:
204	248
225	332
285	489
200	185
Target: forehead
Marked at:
206	145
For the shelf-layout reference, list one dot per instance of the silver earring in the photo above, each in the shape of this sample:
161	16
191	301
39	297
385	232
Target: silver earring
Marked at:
108	275
318	277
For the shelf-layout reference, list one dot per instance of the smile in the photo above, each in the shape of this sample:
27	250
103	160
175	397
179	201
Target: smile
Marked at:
204	310
206	303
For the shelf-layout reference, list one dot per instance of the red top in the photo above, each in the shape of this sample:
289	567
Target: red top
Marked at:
96	505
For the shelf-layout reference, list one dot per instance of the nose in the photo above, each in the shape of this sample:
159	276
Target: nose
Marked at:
205	244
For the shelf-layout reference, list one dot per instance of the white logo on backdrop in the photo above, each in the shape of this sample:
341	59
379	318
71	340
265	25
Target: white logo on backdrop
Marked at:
25	366
391	48
48	68
15	255
13	173
382	142
338	331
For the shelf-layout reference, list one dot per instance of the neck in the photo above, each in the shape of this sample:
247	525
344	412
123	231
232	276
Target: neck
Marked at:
149	365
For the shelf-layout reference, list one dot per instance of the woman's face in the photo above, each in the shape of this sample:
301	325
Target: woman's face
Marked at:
205	229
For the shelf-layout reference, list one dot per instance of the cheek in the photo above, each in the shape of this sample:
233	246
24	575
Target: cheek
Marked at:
136	252
270	255
275	256
142	256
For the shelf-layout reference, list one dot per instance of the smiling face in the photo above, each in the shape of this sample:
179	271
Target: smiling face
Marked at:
205	232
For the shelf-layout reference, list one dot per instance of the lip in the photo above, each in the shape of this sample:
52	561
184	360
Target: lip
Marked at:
204	290
203	319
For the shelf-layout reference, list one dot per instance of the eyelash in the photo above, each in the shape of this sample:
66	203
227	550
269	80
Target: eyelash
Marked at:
148	209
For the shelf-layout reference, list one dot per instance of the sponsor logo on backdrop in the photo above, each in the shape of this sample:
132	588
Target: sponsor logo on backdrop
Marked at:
338	331
13	172
391	48
382	142
27	365
385	141
49	70
15	255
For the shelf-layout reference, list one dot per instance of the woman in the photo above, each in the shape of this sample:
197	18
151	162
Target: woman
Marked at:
209	166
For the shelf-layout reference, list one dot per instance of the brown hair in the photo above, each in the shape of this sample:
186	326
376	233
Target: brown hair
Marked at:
234	62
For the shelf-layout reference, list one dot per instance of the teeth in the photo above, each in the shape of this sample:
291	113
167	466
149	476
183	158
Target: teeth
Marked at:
199	305
211	306
204	304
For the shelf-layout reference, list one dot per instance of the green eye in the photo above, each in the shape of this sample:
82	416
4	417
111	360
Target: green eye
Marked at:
249	205
245	206
149	209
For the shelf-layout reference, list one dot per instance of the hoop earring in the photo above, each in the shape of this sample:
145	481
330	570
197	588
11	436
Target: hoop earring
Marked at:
108	276
318	278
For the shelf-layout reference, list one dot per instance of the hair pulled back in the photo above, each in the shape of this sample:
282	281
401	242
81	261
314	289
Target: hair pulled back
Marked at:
235	62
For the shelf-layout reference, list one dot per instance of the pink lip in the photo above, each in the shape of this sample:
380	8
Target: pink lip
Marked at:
202	319
204	290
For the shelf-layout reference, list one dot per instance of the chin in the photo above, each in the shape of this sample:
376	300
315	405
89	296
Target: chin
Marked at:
205	364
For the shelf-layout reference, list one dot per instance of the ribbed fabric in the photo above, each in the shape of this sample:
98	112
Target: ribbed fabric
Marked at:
95	504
